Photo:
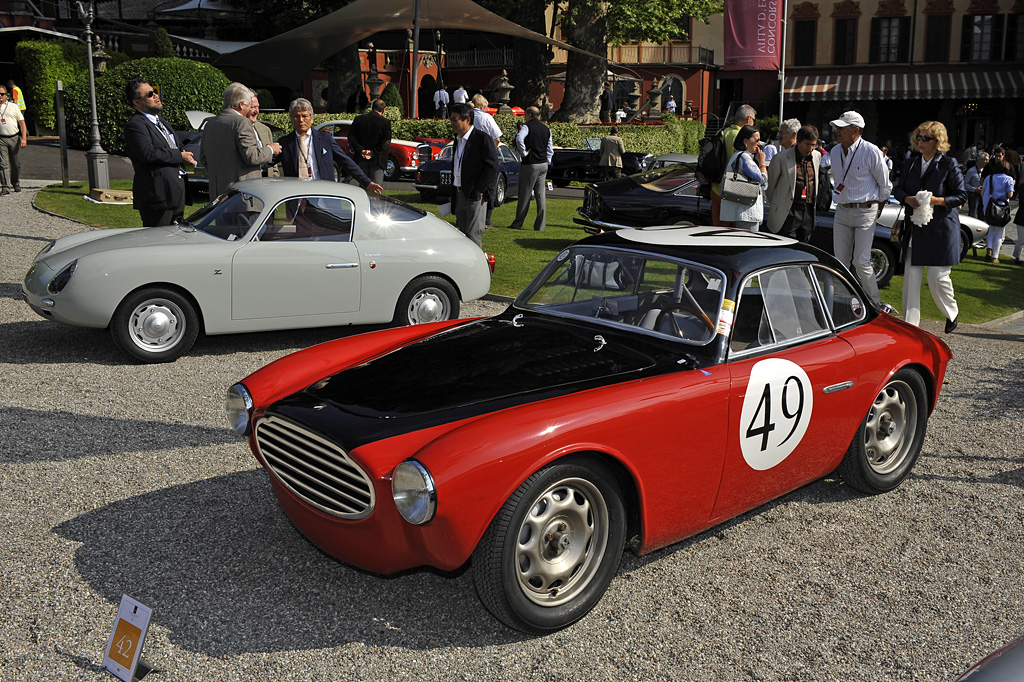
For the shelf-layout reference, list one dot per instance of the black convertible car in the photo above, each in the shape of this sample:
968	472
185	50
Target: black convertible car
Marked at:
583	165
669	196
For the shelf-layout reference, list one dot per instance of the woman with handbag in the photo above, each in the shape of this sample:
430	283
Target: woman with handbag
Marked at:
934	245
745	181
997	188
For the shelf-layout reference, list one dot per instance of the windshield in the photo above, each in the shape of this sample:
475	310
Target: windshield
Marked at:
666	178
655	294
229	216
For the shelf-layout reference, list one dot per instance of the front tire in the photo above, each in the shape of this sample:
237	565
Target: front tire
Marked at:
155	325
888	441
426	299
391	172
550	553
499	195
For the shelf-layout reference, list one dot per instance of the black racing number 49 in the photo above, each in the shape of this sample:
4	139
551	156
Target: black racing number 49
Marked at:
763	425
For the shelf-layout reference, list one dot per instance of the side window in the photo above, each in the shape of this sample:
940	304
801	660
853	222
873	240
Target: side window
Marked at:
506	154
777	306
841	302
322	219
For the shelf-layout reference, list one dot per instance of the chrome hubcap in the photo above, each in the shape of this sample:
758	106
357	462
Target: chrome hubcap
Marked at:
429	305
891	427
156	325
561	542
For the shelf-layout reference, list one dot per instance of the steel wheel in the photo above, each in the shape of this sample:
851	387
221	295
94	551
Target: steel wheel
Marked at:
553	548
499	196
427	299
561	542
889	439
155	325
889	429
391	172
882	265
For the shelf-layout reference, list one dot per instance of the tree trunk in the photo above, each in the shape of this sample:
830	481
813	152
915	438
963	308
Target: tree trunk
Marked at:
584	76
344	78
531	58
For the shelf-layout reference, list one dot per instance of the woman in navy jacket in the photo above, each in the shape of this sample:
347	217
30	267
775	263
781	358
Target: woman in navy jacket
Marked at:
936	245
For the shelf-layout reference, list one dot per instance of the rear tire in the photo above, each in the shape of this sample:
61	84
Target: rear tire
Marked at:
426	299
392	171
883	264
499	195
155	325
888	441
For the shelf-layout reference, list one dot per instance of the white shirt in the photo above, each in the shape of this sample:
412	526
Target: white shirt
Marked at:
156	121
305	144
457	160
10	114
440	97
671	106
460	96
521	143
861	172
484	122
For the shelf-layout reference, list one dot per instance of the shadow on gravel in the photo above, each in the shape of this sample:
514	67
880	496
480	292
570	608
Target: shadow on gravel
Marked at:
227	574
45	240
11	291
52	436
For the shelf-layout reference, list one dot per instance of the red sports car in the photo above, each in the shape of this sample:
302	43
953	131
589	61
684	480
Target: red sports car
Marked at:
404	156
647	385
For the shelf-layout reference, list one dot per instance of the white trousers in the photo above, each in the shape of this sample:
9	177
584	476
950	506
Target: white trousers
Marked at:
852	234
994	240
939	283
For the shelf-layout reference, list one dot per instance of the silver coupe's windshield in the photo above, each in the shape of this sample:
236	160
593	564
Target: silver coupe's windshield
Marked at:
656	294
229	216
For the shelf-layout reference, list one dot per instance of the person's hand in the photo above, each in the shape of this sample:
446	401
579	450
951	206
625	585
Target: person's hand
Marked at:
188	158
375	188
912	202
23	143
759	157
478	196
366	153
276	146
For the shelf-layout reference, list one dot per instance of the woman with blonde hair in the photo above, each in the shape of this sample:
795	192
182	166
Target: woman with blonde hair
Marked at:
932	188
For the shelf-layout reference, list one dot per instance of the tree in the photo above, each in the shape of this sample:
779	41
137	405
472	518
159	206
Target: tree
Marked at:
267	18
163	47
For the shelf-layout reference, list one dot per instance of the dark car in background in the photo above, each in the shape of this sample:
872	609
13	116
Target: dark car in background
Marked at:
434	179
404	156
669	196
584	165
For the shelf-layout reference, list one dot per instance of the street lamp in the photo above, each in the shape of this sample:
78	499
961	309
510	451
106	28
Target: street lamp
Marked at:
96	158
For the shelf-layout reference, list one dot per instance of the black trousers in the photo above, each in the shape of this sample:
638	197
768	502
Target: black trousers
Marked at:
800	222
157	217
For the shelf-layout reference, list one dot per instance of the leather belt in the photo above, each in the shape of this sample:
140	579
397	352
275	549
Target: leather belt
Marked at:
862	204
14	135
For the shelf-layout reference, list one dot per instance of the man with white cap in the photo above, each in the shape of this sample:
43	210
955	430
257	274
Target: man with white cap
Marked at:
862	187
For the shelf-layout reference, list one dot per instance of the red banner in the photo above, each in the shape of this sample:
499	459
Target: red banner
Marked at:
753	35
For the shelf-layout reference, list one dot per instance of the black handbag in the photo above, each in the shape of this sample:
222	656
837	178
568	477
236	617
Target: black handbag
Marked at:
997	213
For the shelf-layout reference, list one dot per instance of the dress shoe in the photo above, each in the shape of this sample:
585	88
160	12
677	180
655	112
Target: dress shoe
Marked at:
17	188
951	324
4	192
996	261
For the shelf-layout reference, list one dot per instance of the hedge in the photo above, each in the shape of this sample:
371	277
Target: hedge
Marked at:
183	83
44	63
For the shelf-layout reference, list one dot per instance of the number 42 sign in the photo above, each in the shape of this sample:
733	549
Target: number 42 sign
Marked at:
125	644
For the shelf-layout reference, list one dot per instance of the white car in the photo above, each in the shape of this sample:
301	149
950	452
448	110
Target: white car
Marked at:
270	254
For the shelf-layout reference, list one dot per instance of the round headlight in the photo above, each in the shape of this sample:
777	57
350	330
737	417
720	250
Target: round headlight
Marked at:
61	279
412	486
239	408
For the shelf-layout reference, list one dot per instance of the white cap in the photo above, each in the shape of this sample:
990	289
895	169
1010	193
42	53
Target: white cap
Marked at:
849	118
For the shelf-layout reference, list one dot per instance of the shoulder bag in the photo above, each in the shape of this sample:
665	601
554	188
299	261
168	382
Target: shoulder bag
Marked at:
738	188
997	213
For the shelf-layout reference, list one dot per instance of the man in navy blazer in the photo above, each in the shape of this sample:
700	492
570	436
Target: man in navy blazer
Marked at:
158	188
310	154
474	171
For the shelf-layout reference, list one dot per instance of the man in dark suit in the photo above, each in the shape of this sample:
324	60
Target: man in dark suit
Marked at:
311	154
158	189
474	170
370	137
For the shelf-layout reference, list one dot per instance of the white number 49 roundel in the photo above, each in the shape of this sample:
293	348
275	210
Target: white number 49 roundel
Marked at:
776	412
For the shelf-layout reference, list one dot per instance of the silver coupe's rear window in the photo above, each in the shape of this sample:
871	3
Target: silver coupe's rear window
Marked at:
658	295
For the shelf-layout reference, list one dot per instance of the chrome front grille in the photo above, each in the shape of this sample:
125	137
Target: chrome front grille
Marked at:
424	152
314	468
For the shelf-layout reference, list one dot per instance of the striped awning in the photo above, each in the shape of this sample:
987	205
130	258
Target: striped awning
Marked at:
921	85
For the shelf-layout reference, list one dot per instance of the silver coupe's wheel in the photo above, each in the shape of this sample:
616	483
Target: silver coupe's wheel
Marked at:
889	440
155	325
550	553
426	299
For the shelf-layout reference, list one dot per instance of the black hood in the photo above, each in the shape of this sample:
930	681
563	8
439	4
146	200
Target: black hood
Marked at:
476	368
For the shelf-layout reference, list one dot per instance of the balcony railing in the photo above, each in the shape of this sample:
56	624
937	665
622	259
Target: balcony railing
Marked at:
653	54
472	58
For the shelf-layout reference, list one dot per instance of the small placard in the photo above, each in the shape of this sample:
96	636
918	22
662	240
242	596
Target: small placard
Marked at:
125	644
445	209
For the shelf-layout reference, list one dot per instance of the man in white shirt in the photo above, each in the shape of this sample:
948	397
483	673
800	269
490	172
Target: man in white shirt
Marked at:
862	187
536	151
474	171
441	100
484	122
13	137
670	105
460	96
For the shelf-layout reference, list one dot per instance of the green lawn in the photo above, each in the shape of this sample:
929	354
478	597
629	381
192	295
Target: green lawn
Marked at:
983	291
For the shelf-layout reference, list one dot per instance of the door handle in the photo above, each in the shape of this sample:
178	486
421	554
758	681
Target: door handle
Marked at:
339	266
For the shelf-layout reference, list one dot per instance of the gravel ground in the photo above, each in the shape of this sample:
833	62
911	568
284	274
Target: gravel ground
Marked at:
119	478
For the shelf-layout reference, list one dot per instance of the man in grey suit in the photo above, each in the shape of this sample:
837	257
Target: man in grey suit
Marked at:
230	150
792	187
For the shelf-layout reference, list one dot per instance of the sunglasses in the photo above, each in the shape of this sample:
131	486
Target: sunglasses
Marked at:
149	95
924	138
3	94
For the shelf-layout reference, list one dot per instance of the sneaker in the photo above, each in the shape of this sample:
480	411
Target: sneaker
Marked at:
17	188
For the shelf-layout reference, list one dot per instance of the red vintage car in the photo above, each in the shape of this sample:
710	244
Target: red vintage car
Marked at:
404	156
648	385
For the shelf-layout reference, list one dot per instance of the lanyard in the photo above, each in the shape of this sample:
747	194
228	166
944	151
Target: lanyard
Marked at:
853	156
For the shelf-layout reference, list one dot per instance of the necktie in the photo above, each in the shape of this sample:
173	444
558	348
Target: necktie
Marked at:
167	134
303	163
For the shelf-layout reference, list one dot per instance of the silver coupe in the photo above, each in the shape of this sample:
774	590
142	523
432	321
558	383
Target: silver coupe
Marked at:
269	254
